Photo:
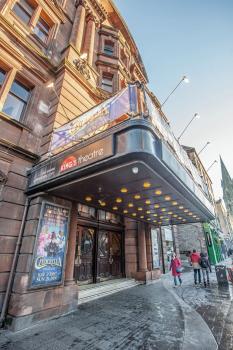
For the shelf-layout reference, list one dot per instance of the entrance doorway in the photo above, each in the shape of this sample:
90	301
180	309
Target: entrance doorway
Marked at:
98	255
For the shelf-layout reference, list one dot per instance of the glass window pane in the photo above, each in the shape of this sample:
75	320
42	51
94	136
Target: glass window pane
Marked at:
43	25
2	76
20	91
13	107
42	30
23	10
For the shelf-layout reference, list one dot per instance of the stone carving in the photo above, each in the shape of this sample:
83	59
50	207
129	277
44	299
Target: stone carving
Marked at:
81	66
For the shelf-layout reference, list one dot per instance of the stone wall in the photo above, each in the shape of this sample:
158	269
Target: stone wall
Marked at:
191	236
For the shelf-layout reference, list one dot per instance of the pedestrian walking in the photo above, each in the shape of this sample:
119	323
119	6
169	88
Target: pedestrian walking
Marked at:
205	267
176	269
195	257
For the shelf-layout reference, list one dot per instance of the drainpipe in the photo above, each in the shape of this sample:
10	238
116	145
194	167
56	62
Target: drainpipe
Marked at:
15	260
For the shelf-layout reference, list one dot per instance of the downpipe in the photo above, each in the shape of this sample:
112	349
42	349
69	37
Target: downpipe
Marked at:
15	260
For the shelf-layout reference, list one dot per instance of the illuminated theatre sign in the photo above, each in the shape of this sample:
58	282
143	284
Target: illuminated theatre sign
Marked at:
74	160
50	248
96	120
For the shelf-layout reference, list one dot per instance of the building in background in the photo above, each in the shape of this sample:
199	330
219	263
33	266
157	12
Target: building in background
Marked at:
201	236
224	224
90	170
227	188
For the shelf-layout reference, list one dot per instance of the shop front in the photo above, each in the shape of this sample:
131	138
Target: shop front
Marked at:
94	209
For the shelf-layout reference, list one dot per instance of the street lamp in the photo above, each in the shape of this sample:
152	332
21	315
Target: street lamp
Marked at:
207	143
196	116
183	79
211	166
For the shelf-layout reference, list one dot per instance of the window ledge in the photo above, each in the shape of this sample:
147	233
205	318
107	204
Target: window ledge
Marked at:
10	120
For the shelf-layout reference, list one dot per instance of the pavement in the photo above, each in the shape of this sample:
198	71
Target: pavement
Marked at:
155	316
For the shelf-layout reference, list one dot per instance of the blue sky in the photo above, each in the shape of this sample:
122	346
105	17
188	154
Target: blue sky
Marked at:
193	37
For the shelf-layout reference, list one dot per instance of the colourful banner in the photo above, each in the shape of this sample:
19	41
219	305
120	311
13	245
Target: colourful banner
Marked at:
97	119
50	249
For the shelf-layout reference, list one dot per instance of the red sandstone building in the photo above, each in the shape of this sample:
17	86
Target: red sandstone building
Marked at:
89	168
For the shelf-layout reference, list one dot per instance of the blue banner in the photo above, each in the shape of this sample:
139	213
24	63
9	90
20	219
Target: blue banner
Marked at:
99	118
50	249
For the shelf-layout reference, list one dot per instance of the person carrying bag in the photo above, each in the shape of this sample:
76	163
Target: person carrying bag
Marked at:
176	269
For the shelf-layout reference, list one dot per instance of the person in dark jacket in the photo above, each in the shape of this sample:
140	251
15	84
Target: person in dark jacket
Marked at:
205	265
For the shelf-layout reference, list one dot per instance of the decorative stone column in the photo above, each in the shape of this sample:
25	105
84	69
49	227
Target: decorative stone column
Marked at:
70	256
91	38
143	274
76	37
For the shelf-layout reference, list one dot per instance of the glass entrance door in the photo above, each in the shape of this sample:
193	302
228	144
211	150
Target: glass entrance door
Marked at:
85	245
98	255
109	255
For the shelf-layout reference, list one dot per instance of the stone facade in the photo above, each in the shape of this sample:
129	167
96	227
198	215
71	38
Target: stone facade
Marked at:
66	57
191	236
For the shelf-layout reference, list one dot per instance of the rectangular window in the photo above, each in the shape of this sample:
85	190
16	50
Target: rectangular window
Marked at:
42	29
16	100
109	48
107	83
24	10
84	210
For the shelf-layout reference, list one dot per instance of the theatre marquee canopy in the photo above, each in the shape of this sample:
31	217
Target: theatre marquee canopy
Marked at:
135	168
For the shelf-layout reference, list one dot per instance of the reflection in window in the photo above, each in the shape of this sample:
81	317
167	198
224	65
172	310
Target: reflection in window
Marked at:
109	217
107	82
41	30
108	48
84	210
24	10
2	76
16	100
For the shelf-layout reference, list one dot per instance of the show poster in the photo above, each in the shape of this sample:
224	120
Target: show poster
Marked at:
50	249
155	248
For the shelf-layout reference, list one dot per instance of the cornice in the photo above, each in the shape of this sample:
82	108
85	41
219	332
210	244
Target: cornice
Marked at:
98	7
11	146
56	9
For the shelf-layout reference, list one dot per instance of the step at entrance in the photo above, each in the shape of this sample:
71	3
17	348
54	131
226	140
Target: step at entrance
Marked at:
96	291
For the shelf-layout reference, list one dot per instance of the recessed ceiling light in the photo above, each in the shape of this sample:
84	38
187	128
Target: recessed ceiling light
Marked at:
140	209
190	214
183	219
102	203
146	184
194	216
186	210
170	212
119	200
158	192
130	205
114	208
148	201
125	211
124	190
174	203
137	196
155	214
156	206
181	207
148	219
142	217
88	199
163	209
167	219
179	217
160	222
175	216
134	214
167	198
161	217
154	221
148	212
